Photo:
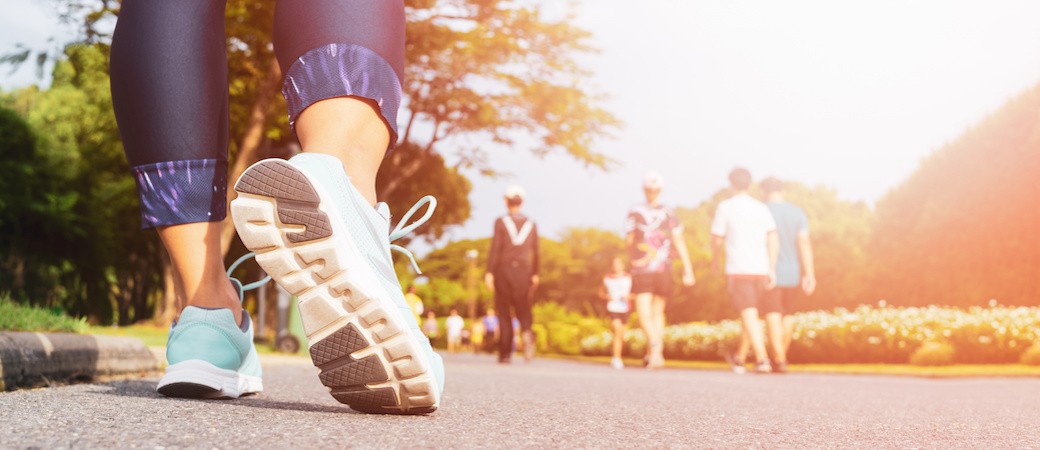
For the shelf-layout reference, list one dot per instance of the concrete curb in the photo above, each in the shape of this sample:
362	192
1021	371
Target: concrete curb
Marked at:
42	359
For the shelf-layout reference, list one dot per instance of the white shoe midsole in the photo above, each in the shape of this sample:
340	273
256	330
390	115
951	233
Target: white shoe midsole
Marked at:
226	383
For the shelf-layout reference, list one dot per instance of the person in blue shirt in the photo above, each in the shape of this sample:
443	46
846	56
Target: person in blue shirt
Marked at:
795	271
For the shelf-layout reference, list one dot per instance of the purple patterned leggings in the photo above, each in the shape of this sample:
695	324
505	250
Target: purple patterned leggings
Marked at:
170	87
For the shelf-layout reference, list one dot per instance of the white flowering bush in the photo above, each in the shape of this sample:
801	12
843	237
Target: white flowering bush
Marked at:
867	334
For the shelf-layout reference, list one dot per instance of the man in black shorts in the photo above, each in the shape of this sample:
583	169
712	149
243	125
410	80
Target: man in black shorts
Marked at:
795	269
744	227
512	274
653	234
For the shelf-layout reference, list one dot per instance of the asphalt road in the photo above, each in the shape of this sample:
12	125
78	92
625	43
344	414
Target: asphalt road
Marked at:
546	403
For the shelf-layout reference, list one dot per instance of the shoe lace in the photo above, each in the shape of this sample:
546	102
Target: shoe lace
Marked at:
243	288
403	228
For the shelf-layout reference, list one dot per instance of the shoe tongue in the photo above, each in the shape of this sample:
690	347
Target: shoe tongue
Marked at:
384	210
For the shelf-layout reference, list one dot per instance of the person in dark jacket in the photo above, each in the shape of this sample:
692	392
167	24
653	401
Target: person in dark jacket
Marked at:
512	273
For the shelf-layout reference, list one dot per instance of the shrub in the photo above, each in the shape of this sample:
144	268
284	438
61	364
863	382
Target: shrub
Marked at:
933	354
1031	356
864	335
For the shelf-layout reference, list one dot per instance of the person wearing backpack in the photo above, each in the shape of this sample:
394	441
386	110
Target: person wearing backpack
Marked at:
512	273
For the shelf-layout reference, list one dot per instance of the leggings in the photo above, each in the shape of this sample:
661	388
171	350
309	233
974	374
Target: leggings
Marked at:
170	87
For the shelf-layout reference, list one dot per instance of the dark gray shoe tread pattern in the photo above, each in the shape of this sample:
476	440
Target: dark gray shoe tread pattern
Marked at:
348	377
297	201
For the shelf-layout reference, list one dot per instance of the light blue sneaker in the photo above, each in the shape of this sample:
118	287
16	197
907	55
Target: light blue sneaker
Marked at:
321	241
211	356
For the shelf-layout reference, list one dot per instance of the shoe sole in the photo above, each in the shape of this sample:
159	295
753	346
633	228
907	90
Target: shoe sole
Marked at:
359	340
200	379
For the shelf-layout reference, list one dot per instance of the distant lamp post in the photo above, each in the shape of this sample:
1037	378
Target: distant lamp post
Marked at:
471	279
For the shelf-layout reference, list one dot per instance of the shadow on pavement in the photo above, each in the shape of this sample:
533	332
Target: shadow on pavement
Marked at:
146	389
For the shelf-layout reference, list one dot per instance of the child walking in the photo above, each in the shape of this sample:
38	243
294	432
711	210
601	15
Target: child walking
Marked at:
617	291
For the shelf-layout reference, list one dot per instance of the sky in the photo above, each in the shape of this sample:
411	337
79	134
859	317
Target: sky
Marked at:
851	95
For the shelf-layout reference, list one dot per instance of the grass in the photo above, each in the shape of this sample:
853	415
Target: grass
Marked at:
151	335
15	317
952	371
155	336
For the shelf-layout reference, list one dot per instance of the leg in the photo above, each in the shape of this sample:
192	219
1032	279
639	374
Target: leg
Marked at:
353	116
659	318
659	322
788	333
743	349
172	115
753	332
504	308
644	307
774	327
619	337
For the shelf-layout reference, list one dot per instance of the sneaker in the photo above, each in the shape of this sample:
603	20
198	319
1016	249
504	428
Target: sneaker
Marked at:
322	242
209	355
780	367
736	365
617	363
763	367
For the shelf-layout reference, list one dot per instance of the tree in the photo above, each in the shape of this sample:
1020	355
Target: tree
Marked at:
94	245
961	230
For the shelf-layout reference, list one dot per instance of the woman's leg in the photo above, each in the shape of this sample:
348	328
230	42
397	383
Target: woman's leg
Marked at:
646	318
619	337
169	91
343	63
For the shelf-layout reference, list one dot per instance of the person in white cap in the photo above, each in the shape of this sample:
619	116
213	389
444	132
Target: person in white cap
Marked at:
512	273
653	236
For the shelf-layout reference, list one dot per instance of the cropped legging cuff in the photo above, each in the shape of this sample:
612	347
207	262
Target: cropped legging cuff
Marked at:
343	70
177	192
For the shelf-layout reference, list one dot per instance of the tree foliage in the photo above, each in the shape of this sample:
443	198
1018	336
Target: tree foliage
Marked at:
961	230
477	71
87	225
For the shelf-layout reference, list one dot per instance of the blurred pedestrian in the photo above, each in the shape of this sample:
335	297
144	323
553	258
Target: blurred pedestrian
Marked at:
795	270
491	330
617	291
454	326
414	303
512	272
430	326
744	227
653	235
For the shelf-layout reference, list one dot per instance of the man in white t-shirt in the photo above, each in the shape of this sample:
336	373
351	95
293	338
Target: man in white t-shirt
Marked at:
745	227
454	325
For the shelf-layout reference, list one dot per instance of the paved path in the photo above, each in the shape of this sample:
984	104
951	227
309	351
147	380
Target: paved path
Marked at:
546	403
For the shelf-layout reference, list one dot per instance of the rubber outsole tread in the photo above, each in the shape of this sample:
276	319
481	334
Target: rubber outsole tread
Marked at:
344	341
187	390
277	179
307	266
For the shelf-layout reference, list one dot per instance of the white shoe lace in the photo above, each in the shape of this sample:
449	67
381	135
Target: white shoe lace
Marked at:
403	228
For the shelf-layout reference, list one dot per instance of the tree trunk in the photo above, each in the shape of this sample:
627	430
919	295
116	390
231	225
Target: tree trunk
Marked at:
166	309
247	149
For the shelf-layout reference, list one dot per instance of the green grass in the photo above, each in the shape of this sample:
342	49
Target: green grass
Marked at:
151	335
155	336
15	317
952	371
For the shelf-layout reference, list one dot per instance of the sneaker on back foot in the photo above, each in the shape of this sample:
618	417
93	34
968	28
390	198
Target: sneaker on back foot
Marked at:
324	243
780	367
211	356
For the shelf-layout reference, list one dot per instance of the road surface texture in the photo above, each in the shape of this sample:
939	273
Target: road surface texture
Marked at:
546	403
